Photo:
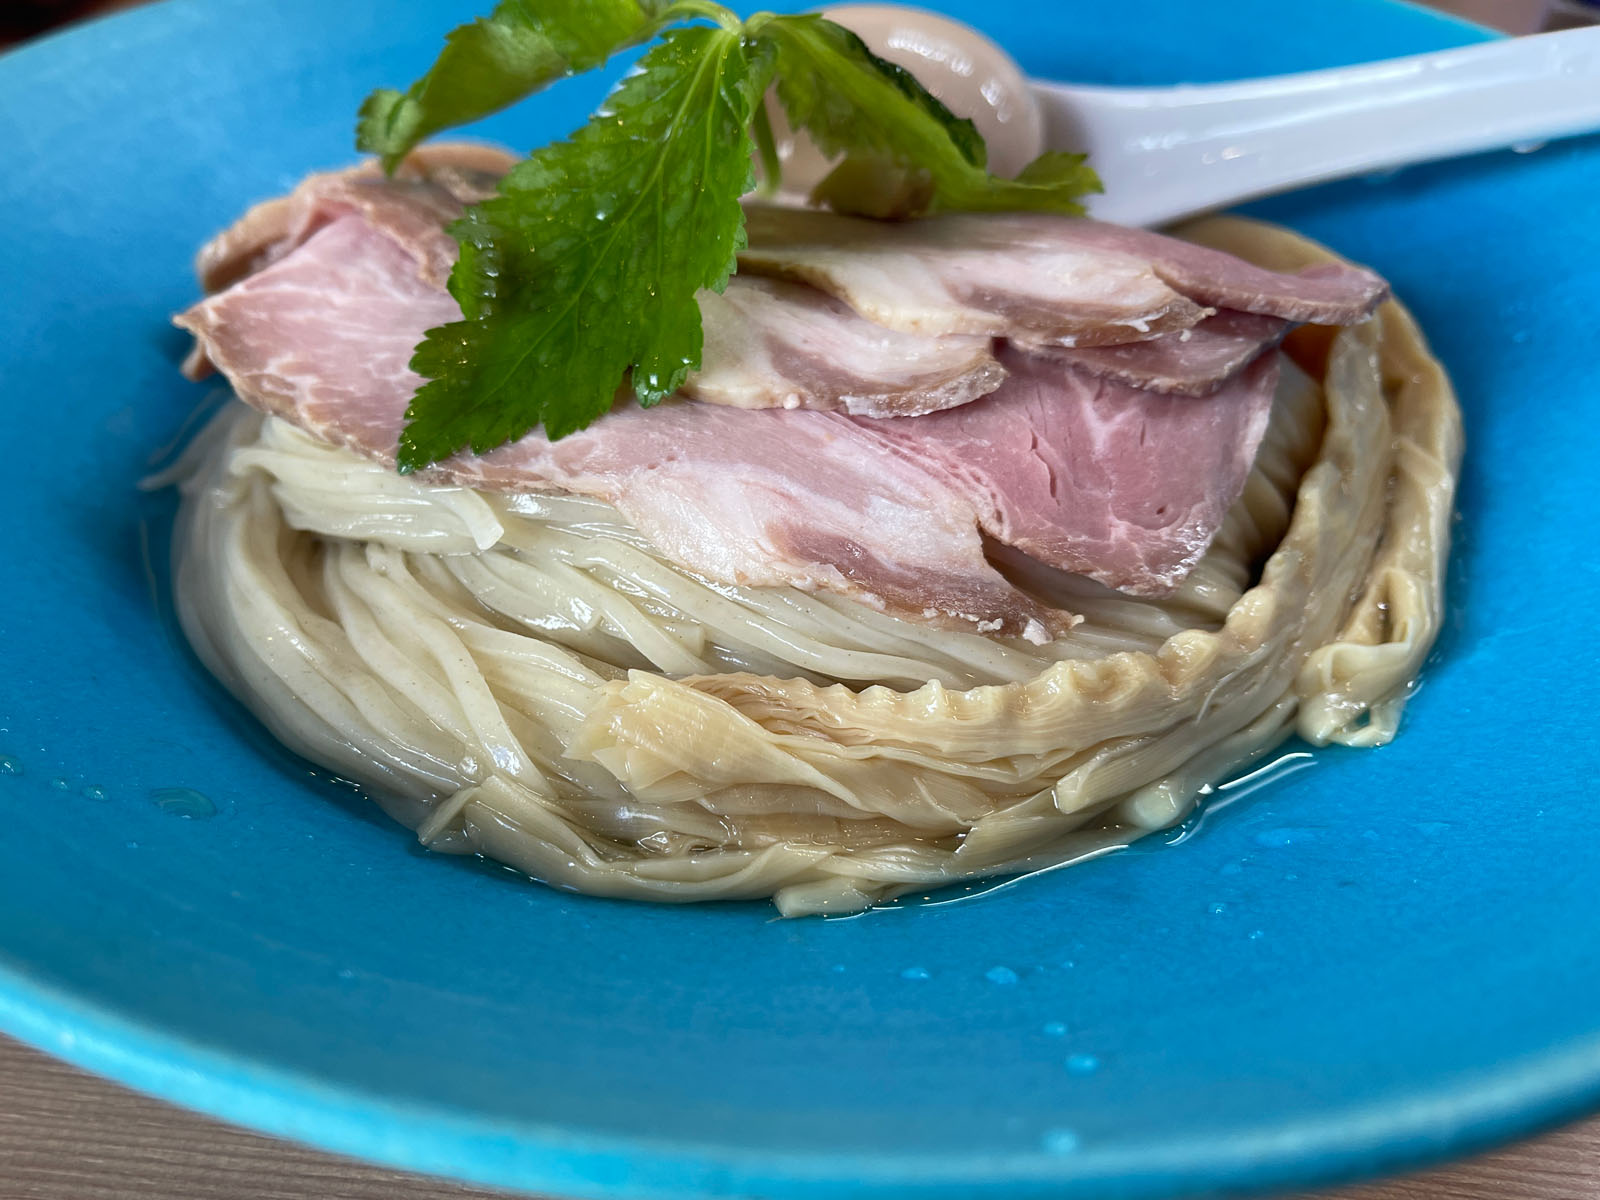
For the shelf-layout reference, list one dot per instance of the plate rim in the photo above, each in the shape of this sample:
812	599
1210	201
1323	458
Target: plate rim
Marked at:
1354	1143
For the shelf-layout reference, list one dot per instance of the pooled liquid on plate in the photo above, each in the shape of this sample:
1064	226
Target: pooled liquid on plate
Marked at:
1251	780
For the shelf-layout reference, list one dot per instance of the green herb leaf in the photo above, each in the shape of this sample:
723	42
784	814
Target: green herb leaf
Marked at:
578	279
521	47
586	265
882	120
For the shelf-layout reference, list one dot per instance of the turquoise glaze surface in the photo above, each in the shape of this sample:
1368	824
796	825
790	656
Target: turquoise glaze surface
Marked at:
1375	960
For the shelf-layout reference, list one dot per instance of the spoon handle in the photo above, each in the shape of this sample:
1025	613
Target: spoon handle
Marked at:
1166	153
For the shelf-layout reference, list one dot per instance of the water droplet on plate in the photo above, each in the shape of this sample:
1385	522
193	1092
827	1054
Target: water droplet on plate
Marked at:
1257	934
1082	1064
95	793
1002	975
184	802
1059	1141
9	765
1216	910
1055	1029
916	973
60	784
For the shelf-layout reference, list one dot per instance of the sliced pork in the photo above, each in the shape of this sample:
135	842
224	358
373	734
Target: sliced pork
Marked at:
1062	279
933	277
431	188
324	335
1190	362
774	344
1093	476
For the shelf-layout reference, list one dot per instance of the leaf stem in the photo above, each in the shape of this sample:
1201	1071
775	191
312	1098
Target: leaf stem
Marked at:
767	145
681	9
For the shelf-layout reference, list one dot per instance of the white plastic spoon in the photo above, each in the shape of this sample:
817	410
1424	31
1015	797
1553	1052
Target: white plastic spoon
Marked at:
1170	152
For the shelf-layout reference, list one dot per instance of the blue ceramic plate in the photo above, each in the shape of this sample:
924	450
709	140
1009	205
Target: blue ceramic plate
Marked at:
1379	959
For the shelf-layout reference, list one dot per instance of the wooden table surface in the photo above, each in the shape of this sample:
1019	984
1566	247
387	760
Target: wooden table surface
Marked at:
66	1135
